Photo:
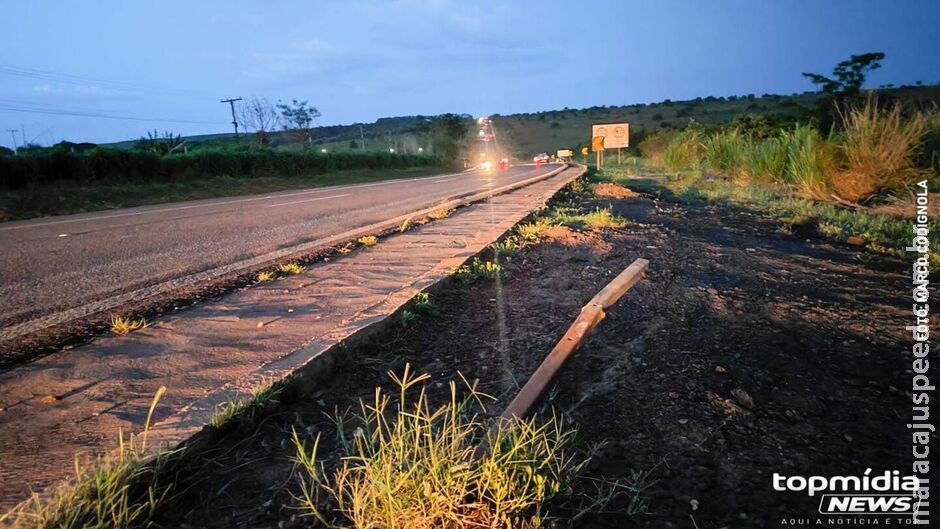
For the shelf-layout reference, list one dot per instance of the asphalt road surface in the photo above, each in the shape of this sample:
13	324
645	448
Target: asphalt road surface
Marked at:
54	264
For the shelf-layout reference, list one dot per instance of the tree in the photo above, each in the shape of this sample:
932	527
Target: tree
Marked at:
258	114
843	87
447	133
298	116
156	143
849	75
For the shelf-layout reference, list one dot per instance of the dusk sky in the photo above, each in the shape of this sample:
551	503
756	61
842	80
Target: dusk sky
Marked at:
166	64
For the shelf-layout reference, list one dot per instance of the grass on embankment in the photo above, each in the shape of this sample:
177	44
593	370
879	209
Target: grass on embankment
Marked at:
62	198
879	231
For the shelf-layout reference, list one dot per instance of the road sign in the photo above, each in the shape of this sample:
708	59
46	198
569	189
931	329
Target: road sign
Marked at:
616	135
584	151
597	143
564	153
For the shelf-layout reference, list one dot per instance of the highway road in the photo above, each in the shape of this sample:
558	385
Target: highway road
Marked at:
55	264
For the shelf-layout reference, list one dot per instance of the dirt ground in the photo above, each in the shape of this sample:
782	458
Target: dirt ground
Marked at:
746	351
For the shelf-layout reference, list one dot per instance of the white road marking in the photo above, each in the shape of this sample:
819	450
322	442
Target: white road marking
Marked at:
307	200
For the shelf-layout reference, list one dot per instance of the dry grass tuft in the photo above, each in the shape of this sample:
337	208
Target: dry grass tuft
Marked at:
369	240
122	325
405	224
291	269
879	147
121	489
440	214
265	276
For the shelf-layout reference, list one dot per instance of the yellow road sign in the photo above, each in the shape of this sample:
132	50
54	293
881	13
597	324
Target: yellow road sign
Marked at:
584	151
597	143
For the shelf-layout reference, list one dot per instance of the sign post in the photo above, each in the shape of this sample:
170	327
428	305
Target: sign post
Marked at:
613	136
597	144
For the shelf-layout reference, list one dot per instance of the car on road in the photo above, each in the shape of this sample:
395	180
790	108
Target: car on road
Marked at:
486	165
540	158
504	164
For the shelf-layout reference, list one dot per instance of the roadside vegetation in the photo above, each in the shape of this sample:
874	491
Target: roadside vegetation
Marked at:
411	463
120	489
478	269
246	409
282	151
872	156
291	269
122	325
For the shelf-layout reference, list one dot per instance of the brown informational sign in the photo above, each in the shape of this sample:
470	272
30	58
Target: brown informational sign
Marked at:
616	135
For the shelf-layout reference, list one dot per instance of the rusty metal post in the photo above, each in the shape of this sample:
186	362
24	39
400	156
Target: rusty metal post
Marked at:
591	315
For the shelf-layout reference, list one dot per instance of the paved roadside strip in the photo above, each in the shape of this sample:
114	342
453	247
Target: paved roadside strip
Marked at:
239	263
76	401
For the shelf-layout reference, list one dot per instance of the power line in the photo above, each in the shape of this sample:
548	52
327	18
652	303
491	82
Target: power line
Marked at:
46	75
33	109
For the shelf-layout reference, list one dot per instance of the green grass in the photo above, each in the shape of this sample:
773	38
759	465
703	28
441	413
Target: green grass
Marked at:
244	410
423	304
61	198
573	217
883	233
478	269
522	237
413	464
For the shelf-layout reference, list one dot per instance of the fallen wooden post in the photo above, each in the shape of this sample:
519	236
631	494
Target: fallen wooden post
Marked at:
591	315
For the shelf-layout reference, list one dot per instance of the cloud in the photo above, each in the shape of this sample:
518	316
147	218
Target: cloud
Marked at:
305	56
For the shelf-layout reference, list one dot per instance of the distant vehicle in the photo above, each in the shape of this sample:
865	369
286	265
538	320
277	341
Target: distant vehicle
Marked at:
540	158
504	164
486	165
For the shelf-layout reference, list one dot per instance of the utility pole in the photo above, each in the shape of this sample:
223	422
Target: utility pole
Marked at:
13	132
362	138
231	103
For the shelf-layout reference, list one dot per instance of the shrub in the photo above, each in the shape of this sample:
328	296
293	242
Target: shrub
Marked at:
726	152
878	147
114	165
684	151
767	160
809	161
654	145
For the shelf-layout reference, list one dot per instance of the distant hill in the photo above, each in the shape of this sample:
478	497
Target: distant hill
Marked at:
527	134
530	133
379	135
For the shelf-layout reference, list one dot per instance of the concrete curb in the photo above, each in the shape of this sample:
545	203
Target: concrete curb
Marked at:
183	425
